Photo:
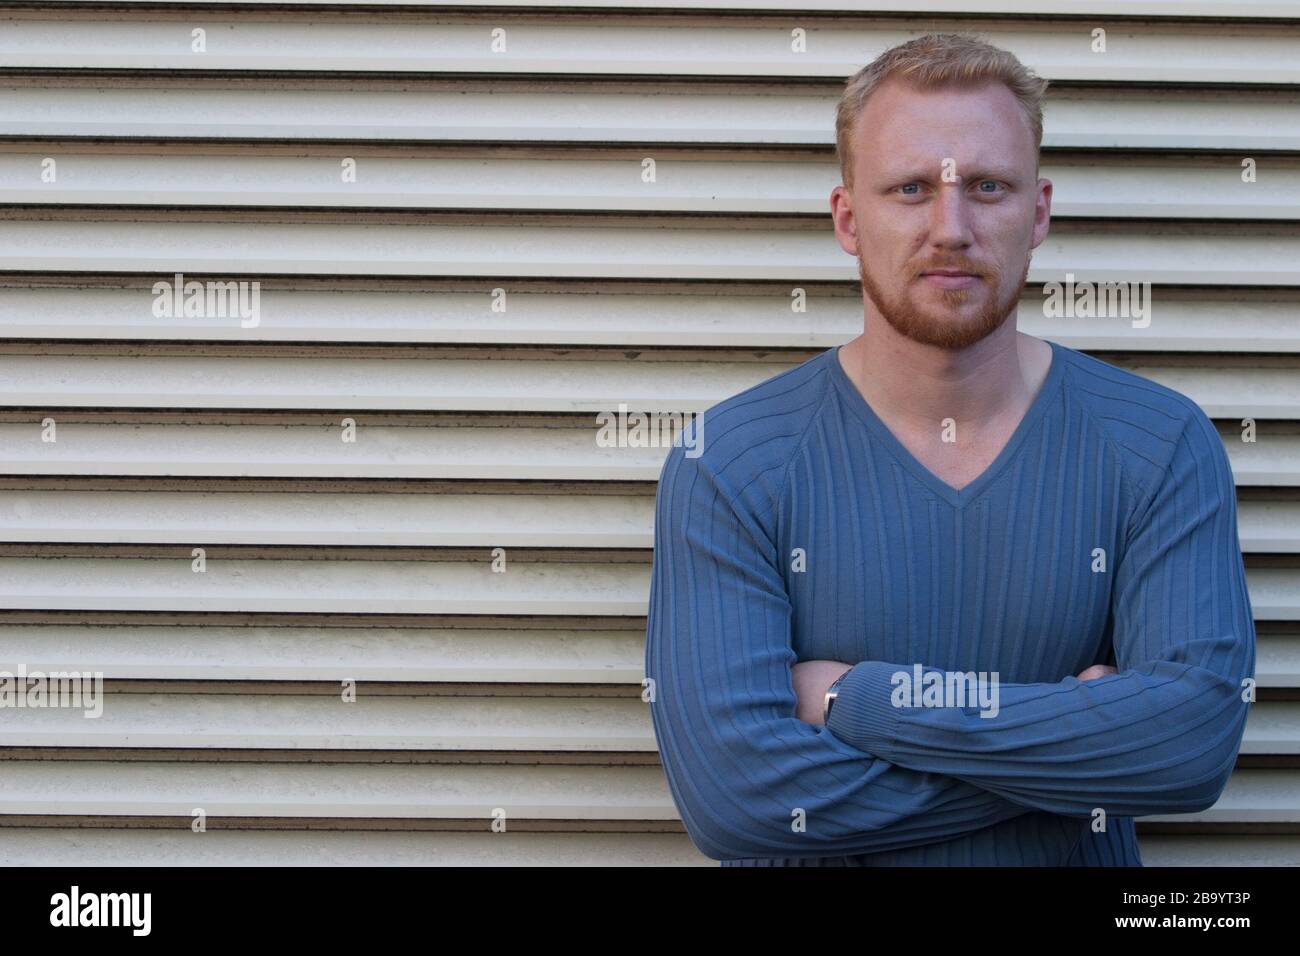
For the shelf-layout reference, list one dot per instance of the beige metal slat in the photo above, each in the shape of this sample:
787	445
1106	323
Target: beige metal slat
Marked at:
278	110
349	385
450	451
1226	391
74	847
587	315
1158	187
354	385
1180	321
446	182
1275	596
1238	320
1269	527
1216	9
1273	459
206	652
1273	727
379	519
218	109
433	655
344	520
627	794
1204	187
1277	662
253	722
1251	796
1208	850
1155	52
521	587
430	451
248	249
199	722
340	586
80	847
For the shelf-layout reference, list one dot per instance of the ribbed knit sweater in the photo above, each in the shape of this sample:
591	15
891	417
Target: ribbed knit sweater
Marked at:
1104	532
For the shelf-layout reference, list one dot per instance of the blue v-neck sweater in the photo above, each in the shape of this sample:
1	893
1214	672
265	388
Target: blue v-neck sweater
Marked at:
1104	532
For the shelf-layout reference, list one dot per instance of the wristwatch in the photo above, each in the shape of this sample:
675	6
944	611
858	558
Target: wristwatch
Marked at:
831	693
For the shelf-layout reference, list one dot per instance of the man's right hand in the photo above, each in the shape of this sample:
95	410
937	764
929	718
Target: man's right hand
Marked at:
1097	670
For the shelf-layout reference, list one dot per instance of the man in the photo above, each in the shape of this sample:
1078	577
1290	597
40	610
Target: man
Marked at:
945	495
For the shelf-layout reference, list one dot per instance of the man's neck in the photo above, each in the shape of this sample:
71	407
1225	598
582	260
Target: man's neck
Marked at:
913	386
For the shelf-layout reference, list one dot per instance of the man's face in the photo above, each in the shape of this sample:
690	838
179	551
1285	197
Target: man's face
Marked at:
943	180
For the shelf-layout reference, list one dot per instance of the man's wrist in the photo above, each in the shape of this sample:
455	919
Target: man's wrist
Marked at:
864	715
831	693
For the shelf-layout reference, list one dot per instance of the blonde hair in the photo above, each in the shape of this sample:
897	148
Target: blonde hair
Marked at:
932	62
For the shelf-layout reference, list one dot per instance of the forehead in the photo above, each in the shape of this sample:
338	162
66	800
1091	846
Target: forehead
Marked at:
902	126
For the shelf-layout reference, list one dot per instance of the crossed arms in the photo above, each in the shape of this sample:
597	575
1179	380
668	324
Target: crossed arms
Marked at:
751	780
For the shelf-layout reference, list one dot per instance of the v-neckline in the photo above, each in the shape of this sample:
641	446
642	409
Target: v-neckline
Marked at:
957	497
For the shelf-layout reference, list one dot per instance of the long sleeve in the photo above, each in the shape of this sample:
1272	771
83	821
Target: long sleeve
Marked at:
1160	736
749	779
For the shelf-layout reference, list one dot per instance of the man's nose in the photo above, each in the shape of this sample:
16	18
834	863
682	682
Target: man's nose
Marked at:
950	217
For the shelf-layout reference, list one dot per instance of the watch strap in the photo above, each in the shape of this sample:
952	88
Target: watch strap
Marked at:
831	693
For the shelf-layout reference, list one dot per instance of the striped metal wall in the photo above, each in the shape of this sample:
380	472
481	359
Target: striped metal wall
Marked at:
500	269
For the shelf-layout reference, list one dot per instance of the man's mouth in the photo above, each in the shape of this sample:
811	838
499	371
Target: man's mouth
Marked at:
950	278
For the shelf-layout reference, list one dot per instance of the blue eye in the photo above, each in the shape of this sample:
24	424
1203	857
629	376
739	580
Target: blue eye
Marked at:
993	181
908	186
